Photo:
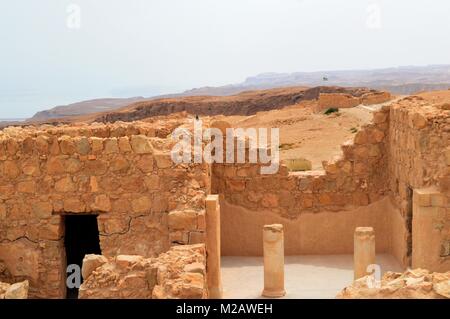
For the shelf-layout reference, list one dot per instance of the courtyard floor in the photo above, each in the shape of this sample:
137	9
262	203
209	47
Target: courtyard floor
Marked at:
309	276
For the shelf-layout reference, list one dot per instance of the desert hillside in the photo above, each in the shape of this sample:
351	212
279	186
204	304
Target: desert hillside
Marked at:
246	103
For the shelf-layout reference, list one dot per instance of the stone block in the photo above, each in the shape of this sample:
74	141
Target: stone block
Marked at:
197	237
90	263
183	220
141	144
111	146
145	163
97	144
124	144
18	290
82	145
42	209
27	187
128	261
65	185
55	166
67	145
163	160
11	170
142	204
101	203
119	164
74	205
152	182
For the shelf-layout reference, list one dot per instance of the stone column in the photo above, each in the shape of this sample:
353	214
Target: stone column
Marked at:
273	261
364	250
214	276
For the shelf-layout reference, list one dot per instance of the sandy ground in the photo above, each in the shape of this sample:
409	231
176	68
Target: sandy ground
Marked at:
305	134
306	277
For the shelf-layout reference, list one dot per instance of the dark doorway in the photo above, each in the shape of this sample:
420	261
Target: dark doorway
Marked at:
81	238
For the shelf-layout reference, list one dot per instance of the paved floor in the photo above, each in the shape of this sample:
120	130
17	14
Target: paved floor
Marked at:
309	276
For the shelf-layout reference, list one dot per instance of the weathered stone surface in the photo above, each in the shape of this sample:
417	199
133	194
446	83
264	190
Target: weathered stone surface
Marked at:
65	185
42	209
142	204
183	220
412	284
127	261
141	144
17	291
178	273
82	146
74	205
101	203
111	146
90	263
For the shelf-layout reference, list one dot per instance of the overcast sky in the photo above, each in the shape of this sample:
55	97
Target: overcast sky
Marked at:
52	53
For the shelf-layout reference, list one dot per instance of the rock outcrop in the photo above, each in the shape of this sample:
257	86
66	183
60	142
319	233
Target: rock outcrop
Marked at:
412	284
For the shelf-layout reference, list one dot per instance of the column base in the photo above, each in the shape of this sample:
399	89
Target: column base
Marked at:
273	293
215	293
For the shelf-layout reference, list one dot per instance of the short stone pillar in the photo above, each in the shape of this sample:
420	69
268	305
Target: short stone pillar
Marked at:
364	251
214	276
273	241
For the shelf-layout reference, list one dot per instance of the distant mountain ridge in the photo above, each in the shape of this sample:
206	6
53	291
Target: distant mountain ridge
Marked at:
403	80
85	107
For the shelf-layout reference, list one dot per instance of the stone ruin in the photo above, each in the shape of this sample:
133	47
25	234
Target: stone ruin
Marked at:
145	219
412	284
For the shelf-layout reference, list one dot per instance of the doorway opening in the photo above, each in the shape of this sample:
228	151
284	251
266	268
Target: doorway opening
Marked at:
81	238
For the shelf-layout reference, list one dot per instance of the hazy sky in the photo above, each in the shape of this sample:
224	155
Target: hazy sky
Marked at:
147	47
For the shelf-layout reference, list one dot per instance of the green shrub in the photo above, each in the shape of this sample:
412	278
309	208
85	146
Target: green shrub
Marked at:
331	110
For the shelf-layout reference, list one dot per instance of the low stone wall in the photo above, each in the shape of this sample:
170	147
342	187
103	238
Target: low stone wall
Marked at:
345	100
337	100
178	273
412	284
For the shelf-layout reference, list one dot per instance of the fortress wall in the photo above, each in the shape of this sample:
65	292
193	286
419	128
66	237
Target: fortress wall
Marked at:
144	203
419	160
318	208
358	178
345	100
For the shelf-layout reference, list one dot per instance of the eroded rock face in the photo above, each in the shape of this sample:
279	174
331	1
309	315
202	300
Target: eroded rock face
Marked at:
18	290
412	284
178	273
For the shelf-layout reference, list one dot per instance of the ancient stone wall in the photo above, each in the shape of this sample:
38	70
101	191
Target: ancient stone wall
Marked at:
144	203
178	273
319	209
358	178
346	100
419	157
